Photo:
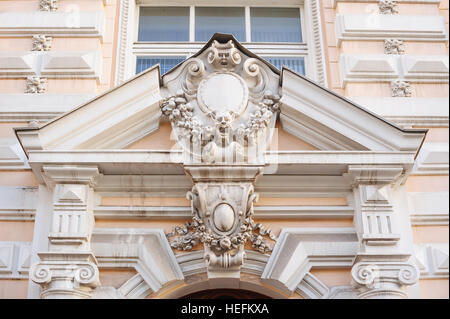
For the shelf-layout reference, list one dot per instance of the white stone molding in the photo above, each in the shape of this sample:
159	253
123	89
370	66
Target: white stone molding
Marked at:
429	208
17	64
433	260
55	24
394	46
319	120
312	288
261	212
432	159
385	68
69	269
312	164
18	203
65	275
193	264
48	5
383	26
335	2
14	260
427	112
342	292
42	107
426	68
381	268
71	64
75	64
11	155
107	293
401	89
310	247
36	84
368	68
135	288
145	250
41	42
388	6
380	279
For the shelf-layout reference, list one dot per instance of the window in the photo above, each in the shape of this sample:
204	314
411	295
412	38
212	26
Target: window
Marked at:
169	34
166	62
296	64
275	25
221	20
163	24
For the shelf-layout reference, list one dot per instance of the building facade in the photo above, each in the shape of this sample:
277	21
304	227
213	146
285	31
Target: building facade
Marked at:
167	149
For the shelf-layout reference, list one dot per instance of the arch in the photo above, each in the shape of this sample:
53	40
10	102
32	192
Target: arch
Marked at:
201	283
225	294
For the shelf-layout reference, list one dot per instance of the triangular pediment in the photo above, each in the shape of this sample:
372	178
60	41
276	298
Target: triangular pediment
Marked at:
129	116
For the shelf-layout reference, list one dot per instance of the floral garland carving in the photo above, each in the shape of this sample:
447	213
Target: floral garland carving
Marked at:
180	112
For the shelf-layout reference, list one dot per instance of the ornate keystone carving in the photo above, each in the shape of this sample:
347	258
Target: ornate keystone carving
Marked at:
48	5
36	84
223	221
388	7
401	89
64	275
393	46
41	43
383	279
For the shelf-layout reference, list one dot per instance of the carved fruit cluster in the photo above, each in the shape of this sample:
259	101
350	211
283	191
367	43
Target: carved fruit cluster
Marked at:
48	5
180	112
393	46
388	6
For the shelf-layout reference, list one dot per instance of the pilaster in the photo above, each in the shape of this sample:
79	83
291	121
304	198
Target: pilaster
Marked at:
69	268
382	267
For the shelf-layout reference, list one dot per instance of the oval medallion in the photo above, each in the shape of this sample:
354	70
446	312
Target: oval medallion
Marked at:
223	217
222	92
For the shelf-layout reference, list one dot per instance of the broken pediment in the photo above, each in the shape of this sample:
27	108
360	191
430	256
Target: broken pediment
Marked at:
226	95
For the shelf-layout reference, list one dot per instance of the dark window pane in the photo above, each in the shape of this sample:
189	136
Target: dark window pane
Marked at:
164	24
275	25
166	62
222	20
295	64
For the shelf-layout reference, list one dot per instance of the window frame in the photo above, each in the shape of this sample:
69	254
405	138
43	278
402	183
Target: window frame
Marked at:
127	60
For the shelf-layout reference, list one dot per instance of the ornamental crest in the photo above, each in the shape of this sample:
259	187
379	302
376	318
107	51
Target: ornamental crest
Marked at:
222	105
